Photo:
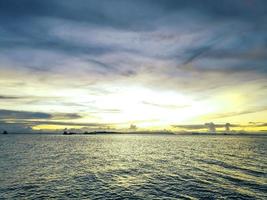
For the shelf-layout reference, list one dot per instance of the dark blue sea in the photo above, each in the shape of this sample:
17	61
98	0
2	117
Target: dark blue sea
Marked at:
133	167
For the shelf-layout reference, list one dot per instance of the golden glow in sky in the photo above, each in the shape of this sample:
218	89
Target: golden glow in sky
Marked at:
166	70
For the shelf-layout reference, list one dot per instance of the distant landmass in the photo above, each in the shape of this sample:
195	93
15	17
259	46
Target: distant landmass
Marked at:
144	133
133	132
163	133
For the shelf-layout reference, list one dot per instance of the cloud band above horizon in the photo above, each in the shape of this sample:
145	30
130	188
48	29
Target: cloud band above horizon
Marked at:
122	62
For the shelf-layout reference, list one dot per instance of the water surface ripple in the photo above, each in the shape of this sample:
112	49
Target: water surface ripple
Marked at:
132	167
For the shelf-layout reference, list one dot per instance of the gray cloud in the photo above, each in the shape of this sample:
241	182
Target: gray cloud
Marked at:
250	110
5	97
15	115
203	126
10	114
15	127
30	123
197	127
67	123
22	126
199	51
190	126
187	46
65	116
118	26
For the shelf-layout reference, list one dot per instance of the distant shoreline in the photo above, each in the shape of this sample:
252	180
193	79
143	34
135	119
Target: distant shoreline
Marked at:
146	133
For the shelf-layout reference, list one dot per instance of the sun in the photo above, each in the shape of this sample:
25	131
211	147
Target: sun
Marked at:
149	108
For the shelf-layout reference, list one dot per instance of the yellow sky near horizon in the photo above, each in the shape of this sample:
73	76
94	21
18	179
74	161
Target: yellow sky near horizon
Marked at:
117	106
156	67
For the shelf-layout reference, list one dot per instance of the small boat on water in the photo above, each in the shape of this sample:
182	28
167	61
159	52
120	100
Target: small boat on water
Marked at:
5	132
68	133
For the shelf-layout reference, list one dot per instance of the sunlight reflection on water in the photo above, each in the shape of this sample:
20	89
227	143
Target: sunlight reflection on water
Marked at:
132	166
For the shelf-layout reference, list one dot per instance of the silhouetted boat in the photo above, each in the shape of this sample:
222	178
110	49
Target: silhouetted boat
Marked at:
68	133
5	132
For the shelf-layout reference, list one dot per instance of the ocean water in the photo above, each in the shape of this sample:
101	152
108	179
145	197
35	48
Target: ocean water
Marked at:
132	167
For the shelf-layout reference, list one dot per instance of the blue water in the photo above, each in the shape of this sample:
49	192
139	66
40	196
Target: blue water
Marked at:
132	167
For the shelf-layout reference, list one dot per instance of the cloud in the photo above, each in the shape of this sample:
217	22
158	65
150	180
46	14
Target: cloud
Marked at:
65	116
77	51
25	115
190	126
10	114
5	97
133	127
199	51
21	126
62	123
261	125
166	105
98	40
257	124
222	115
203	126
15	127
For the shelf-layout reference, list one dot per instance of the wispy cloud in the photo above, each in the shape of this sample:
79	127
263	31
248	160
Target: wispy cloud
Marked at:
14	115
168	106
62	57
5	97
205	127
10	114
233	114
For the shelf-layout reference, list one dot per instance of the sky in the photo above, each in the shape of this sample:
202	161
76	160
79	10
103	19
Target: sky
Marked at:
133	64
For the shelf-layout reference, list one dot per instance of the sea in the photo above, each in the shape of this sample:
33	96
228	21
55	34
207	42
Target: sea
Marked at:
121	166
